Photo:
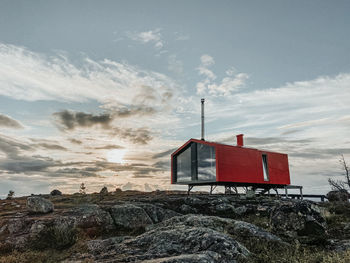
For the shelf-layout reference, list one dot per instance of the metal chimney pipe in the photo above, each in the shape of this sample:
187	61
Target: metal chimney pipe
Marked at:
202	118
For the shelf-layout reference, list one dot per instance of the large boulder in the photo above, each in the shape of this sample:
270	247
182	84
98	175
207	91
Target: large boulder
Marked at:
188	240
88	217
47	235
156	213
129	216
56	192
36	204
298	219
240	230
338	196
177	244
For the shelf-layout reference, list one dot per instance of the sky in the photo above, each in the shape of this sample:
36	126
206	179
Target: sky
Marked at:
101	92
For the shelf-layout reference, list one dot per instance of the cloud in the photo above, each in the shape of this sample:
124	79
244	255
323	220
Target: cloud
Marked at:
109	147
130	111
21	158
207	60
151	36
12	147
30	76
136	136
7	122
75	141
164	153
180	36
51	146
175	65
231	83
26	164
69	120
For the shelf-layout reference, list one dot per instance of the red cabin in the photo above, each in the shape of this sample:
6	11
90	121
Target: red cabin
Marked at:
199	162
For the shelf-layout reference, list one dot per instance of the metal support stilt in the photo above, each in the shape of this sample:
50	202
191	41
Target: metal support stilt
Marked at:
212	188
189	189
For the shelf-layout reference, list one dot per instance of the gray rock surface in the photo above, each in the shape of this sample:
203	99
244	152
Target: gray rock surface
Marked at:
36	204
165	243
130	216
238	229
339	245
298	218
156	213
87	216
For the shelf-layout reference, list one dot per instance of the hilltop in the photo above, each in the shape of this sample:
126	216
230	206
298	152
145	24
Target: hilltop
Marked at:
132	226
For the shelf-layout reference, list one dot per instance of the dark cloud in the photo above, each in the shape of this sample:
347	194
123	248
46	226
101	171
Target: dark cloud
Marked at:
69	120
164	153
253	141
8	122
74	172
75	141
126	112
12	147
26	164
51	146
290	132
141	175
162	165
109	147
310	153
273	140
137	136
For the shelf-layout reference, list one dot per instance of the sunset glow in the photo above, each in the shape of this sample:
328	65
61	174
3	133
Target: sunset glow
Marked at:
116	156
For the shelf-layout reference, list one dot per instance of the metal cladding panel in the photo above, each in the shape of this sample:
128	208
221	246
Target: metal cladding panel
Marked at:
236	164
244	165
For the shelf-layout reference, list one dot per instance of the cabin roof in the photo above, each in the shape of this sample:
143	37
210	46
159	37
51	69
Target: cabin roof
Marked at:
216	144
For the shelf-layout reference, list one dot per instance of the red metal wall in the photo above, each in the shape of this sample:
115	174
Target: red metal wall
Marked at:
244	165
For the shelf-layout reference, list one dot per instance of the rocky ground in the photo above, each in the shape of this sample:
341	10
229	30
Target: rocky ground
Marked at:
166	227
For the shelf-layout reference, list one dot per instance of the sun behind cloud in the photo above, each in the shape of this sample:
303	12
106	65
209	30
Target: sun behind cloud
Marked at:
116	156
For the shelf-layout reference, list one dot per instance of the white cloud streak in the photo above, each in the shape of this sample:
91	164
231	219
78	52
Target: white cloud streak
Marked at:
151	36
26	75
231	83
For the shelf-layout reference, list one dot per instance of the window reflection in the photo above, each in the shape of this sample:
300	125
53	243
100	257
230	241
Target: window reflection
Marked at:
206	162
184	166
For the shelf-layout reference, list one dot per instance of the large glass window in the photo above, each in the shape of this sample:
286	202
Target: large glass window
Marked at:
206	162
184	166
196	163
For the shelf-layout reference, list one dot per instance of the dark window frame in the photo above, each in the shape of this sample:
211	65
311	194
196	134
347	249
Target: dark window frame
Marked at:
265	167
